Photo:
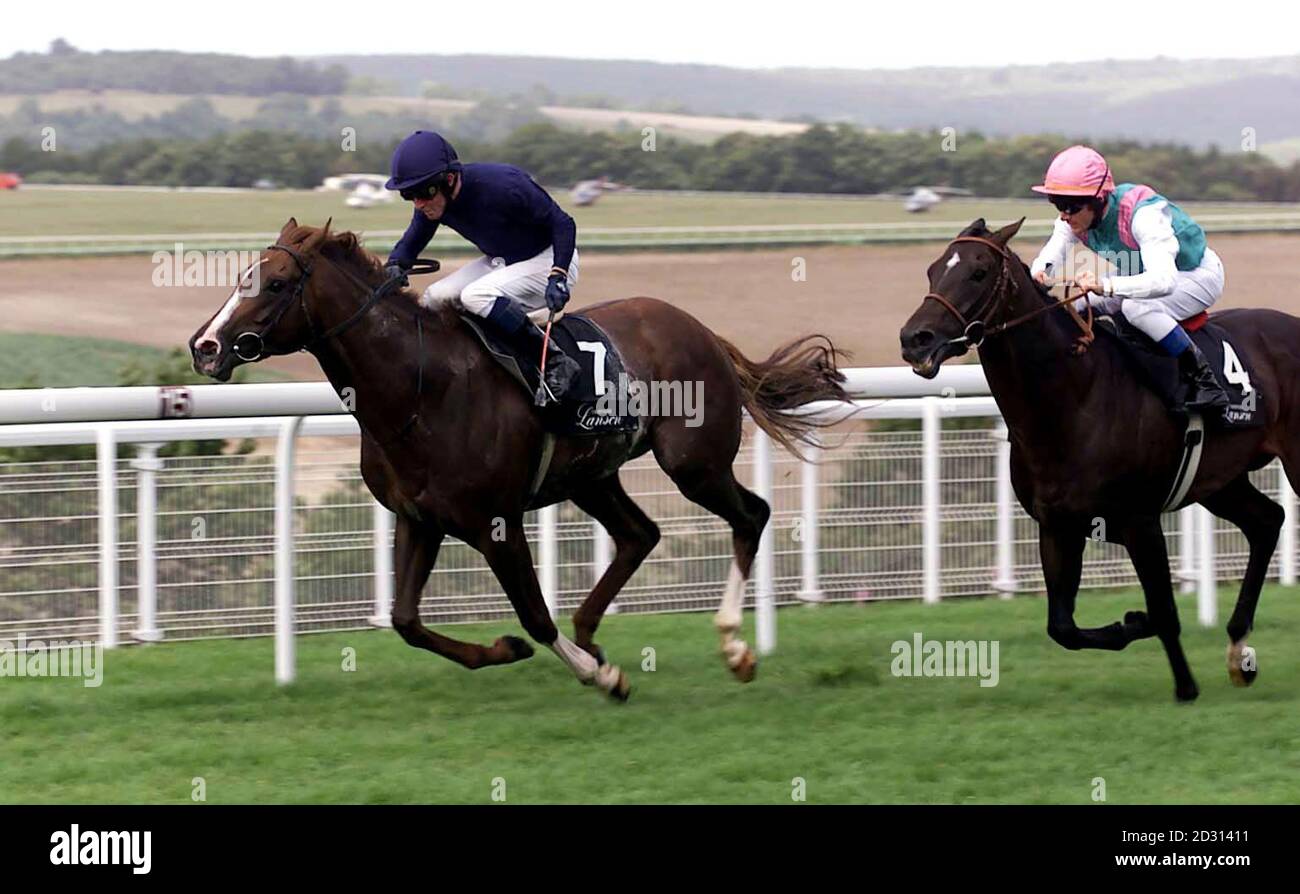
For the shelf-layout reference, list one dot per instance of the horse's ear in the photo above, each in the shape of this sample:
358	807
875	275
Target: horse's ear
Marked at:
1007	233
317	238
976	228
288	228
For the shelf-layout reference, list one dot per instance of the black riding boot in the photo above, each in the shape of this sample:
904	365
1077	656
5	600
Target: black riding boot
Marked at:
562	371
1203	390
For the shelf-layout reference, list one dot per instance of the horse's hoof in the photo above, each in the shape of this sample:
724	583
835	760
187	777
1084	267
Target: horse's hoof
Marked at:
614	681
1187	694
740	659
516	648
747	668
1243	665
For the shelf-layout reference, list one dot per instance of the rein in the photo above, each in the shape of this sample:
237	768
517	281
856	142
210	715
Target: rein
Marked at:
975	331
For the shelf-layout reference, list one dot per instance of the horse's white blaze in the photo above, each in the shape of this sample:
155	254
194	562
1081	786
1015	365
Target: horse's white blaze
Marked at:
583	665
953	261
221	319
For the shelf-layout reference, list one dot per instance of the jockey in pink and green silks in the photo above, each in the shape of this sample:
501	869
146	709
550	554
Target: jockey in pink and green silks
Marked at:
1165	271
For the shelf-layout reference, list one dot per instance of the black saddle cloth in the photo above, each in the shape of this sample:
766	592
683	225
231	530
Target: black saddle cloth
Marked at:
582	411
1159	372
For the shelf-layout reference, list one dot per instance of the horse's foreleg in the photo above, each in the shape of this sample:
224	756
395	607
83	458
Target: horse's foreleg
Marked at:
634	535
1061	550
415	549
1146	547
1260	519
512	563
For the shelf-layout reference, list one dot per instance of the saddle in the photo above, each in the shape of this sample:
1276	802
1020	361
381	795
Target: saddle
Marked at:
1159	372
590	407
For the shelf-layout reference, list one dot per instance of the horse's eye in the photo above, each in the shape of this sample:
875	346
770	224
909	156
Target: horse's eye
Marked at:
978	275
275	285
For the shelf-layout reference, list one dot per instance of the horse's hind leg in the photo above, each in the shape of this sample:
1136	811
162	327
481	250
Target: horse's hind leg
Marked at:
1146	547
634	534
1260	519
747	513
415	551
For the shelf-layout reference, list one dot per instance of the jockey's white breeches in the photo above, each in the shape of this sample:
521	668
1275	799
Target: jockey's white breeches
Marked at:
1194	291
476	286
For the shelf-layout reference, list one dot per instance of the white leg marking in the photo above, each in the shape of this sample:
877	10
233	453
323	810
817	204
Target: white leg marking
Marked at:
729	616
583	665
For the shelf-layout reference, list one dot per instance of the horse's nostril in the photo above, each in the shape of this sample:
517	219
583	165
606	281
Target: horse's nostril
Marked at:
207	346
921	338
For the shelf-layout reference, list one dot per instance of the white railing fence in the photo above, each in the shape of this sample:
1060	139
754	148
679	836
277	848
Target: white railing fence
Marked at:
145	548
1274	219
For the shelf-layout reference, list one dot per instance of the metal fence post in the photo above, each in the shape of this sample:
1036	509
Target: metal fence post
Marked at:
1005	581
546	521
810	591
1207	607
147	465
764	592
1187	522
285	648
930	499
106	473
383	559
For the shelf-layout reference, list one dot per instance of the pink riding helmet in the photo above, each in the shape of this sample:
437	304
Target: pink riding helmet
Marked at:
1077	171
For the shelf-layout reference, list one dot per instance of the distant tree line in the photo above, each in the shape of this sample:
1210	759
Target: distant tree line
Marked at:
491	119
839	159
66	68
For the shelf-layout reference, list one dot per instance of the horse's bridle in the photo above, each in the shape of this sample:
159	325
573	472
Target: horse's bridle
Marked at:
255	344
250	346
976	330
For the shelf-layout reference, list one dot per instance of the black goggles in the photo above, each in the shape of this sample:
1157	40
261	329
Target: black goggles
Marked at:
1070	204
426	190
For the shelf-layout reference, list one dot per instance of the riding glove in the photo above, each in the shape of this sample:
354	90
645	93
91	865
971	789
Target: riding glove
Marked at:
557	292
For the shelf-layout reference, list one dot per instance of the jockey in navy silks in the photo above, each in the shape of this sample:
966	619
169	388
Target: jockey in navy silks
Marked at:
528	244
1170	273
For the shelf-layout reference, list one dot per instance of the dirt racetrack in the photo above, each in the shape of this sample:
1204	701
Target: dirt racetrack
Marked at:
858	295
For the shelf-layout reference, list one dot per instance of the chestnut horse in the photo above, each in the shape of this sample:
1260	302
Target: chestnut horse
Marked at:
1089	443
451	443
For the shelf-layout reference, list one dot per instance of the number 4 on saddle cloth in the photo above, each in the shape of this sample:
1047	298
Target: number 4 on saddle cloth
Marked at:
591	406
1160	371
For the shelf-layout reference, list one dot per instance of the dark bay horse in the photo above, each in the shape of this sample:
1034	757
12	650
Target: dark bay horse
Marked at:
1089	444
451	443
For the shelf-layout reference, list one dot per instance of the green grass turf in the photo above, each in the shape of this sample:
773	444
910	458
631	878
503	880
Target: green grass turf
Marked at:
35	212
60	361
406	726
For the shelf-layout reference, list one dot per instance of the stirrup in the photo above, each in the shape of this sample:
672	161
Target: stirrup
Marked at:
550	395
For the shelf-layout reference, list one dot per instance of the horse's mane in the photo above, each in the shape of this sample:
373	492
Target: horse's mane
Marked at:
345	249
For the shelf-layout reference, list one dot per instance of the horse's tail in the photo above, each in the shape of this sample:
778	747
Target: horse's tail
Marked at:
797	372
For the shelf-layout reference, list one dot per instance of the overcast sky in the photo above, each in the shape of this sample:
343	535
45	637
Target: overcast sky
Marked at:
759	34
